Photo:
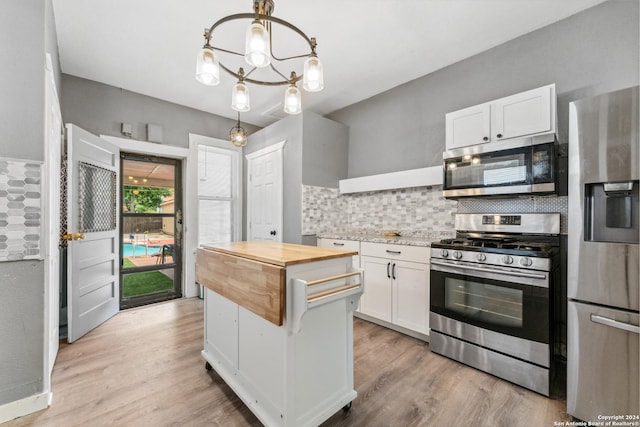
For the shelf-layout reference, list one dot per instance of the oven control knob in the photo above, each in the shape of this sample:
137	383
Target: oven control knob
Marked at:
507	259
457	254
481	257
526	262
444	253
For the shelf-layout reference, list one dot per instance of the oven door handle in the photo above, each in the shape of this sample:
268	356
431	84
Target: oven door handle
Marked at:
491	270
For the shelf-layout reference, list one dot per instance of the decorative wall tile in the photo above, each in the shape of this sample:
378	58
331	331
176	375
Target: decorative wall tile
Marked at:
536	204
417	212
411	211
20	209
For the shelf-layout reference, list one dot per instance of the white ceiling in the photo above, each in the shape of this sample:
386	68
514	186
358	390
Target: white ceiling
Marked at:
366	46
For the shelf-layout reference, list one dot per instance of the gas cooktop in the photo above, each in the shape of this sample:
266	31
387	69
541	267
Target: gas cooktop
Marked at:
507	245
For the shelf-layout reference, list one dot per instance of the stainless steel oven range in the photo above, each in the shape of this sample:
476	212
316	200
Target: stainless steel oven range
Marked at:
492	296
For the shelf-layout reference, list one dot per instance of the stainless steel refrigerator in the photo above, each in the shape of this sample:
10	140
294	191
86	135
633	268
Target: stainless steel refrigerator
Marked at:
602	257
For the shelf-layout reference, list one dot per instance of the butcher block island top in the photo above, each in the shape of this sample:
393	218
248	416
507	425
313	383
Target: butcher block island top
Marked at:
282	254
253	274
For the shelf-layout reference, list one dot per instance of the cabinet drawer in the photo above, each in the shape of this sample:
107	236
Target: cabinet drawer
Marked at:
347	245
391	251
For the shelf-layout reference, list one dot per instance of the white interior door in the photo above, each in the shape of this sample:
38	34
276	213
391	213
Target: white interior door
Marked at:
92	214
53	148
264	194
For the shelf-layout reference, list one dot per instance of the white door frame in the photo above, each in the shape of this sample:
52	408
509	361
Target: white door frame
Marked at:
189	288
280	215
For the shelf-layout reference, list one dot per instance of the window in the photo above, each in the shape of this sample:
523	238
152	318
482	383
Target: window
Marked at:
218	192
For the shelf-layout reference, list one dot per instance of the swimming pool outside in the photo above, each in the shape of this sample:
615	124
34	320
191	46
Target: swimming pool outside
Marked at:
140	250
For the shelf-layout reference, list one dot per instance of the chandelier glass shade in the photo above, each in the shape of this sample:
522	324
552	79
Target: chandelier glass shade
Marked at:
258	54
208	67
240	100
292	100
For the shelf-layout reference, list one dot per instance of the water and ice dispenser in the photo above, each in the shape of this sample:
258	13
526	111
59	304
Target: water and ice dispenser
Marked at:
611	212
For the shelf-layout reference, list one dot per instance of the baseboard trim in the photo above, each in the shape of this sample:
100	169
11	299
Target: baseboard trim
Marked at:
22	407
402	330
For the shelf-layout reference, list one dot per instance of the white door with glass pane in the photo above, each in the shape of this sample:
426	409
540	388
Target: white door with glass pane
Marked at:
217	171
92	211
264	194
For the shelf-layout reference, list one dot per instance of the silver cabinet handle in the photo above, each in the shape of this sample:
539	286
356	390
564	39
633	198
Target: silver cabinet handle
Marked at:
393	252
338	244
615	324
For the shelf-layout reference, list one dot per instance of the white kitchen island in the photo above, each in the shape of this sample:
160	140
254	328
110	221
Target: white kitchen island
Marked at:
279	327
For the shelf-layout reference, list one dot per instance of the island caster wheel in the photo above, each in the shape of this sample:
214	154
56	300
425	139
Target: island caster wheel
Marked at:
208	366
346	408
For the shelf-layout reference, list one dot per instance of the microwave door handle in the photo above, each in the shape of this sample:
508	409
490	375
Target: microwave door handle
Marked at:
492	270
615	324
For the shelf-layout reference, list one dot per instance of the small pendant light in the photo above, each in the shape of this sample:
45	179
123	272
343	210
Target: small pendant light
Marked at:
237	135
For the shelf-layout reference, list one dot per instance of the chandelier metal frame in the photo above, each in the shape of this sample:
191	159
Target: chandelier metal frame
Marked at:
263	10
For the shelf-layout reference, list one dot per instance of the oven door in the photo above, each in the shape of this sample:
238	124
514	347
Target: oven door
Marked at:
521	170
493	301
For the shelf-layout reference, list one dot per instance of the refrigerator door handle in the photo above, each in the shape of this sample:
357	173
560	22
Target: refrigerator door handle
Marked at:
615	324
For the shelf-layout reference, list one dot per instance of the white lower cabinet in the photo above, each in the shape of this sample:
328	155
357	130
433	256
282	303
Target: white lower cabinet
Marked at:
411	296
396	286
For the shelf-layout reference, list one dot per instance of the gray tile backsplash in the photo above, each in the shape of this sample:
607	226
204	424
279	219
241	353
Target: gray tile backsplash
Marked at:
411	211
20	210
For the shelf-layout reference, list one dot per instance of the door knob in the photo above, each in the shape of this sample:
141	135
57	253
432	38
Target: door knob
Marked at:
273	232
73	236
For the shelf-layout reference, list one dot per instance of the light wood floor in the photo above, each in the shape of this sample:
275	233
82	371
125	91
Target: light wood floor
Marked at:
143	368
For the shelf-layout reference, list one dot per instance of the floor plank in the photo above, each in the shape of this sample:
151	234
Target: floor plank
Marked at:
143	367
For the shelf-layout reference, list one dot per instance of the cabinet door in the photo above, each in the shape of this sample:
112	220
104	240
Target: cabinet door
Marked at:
411	295
376	300
470	126
523	114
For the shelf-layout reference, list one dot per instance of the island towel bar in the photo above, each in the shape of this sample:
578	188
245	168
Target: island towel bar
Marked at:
346	285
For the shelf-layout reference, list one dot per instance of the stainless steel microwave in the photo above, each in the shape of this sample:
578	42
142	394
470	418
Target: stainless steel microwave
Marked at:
519	166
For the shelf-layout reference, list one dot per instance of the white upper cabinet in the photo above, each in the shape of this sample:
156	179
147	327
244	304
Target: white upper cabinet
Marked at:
527	113
469	126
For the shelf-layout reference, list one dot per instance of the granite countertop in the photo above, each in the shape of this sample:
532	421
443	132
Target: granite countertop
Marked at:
421	240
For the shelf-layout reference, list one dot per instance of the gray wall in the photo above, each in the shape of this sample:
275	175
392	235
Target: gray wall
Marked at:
325	151
315	153
22	79
101	109
21	329
28	30
589	53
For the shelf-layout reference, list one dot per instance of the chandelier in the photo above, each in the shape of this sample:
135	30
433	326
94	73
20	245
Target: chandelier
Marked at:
258	54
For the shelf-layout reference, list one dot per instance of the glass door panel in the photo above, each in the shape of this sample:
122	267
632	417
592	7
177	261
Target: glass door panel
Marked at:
151	238
484	302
